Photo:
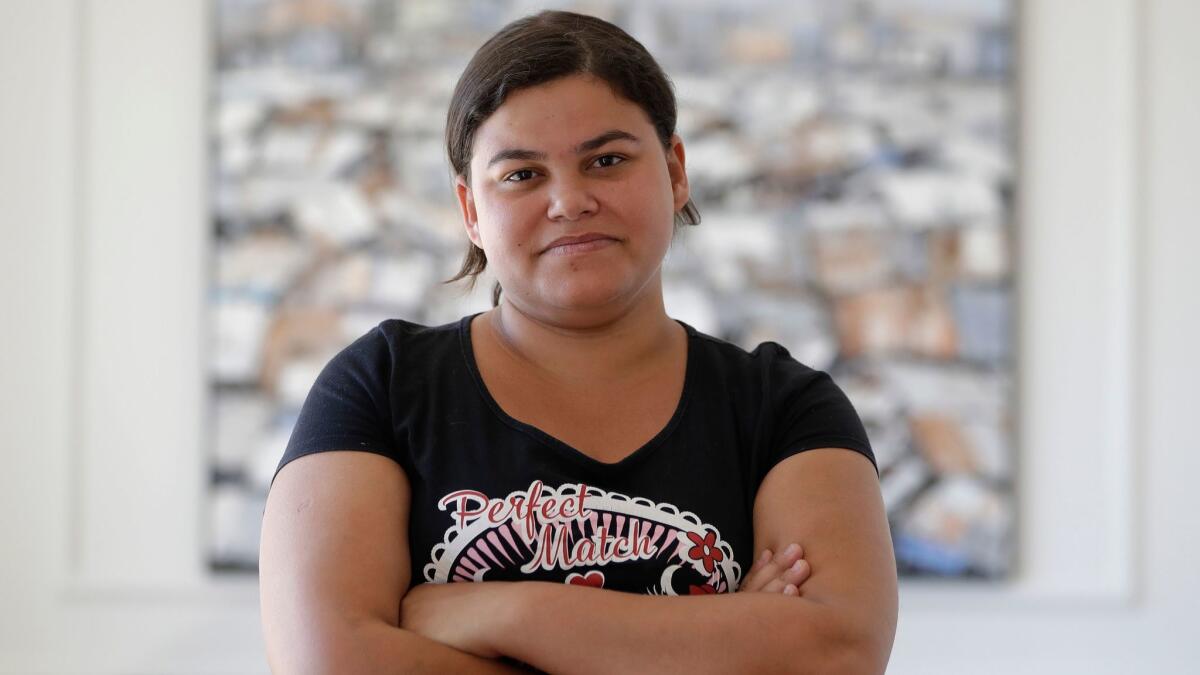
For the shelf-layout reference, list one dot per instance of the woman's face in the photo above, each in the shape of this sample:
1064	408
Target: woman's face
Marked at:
564	159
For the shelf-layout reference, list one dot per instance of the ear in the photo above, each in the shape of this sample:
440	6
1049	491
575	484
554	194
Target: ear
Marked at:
466	204
677	168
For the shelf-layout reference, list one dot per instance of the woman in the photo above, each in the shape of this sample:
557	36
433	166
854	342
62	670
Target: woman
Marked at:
574	440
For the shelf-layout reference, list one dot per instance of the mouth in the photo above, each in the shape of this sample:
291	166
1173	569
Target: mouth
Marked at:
578	244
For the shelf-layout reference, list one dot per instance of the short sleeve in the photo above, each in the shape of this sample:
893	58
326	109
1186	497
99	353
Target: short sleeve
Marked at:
348	406
810	411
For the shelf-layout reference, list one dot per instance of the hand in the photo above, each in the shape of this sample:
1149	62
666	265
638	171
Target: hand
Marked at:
462	615
784	572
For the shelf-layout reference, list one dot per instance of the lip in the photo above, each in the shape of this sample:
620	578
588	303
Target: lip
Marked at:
579	239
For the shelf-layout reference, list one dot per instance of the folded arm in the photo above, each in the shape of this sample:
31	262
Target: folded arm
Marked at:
333	566
575	629
844	620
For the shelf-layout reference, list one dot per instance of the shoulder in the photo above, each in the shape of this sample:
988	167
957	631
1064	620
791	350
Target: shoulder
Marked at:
390	353
395	339
396	330
769	362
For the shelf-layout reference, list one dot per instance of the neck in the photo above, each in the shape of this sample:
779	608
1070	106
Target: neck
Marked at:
589	352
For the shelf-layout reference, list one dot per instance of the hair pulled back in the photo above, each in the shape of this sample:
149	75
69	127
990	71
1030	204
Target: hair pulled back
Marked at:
540	48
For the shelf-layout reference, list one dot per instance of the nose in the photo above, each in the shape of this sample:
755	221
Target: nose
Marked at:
570	199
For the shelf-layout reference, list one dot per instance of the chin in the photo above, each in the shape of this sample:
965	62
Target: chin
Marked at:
577	295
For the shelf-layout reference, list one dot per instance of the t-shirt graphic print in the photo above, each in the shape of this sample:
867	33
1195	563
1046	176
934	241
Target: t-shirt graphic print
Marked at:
494	498
584	534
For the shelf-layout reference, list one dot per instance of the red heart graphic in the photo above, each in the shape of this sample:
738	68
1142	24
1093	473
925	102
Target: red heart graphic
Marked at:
593	578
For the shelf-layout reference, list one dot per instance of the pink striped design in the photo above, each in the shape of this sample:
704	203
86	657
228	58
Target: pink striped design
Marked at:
495	539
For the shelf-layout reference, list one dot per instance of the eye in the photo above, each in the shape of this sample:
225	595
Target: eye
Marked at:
528	173
618	159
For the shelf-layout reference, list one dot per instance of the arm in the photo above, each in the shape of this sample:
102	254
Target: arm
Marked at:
475	617
844	622
575	629
334	567
829	500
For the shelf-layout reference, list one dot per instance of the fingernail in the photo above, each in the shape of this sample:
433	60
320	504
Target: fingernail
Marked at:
798	565
766	555
792	548
790	589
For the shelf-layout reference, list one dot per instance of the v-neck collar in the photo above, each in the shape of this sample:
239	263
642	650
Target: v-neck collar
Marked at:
559	446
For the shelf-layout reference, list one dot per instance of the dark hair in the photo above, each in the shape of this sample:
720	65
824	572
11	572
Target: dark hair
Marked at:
540	48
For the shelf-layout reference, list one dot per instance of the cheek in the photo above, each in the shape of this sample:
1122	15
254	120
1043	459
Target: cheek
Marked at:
656	191
648	206
505	224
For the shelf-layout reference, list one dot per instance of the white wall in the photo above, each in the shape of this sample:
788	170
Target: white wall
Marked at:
101	148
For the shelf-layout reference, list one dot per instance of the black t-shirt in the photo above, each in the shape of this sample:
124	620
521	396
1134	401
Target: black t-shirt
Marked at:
494	498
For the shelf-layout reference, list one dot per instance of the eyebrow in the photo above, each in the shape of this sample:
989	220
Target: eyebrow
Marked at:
590	144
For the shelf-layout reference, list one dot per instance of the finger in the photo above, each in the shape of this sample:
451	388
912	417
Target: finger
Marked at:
785	558
777	566
754	578
791	590
795	575
771	569
782	561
